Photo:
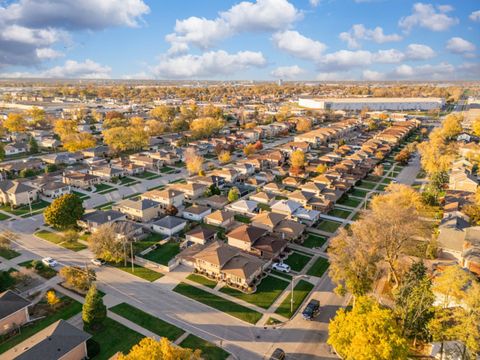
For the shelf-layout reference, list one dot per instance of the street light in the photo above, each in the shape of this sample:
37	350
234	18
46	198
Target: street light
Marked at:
291	292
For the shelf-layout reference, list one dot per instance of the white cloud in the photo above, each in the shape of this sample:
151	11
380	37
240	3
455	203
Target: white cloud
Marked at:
207	65
71	69
298	45
27	27
48	53
287	72
359	32
345	60
419	52
259	16
314	3
391	56
426	16
425	72
457	45
373	75
475	16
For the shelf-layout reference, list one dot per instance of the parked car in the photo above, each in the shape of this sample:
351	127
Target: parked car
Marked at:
98	262
278	354
49	262
311	310
281	267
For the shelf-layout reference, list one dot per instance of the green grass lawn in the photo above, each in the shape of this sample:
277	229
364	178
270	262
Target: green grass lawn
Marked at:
373	178
328	226
386	181
107	191
8	253
202	280
300	292
264	207
318	267
80	195
297	261
4	217
57	238
209	350
166	169
216	302
314	241
269	289
273	321
280	197
242	218
69	308
140	271
127	180
46	272
339	213
163	253
145	174
114	337
159	187
366	184
147	321
25	209
132	195
102	187
282	275
348	201
381	187
358	192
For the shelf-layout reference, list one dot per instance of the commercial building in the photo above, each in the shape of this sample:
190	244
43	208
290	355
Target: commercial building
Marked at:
377	104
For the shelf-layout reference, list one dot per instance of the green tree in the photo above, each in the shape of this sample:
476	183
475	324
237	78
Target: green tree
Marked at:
2	152
94	311
33	145
64	212
414	302
367	332
51	168
26	173
104	244
233	194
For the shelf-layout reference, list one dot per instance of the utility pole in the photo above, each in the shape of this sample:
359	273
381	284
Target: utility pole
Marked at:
131	252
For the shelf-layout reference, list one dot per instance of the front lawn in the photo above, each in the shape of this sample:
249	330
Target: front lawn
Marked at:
202	280
45	272
242	218
59	240
349	201
140	271
300	292
127	180
114	337
82	196
319	267
314	241
66	309
102	187
358	193
166	169
25	209
219	303
366	184
282	275
267	292
8	253
145	174
163	253
328	226
297	261
339	213
147	321
4	216
209	350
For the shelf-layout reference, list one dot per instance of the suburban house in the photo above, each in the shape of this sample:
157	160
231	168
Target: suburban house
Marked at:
256	241
105	172
227	263
220	218
140	210
285	207
306	216
60	340
169	225
208	181
246	207
273	188
15	148
93	220
165	197
53	189
196	212
214	201
263	198
192	191
17	193
80	180
201	235
13	311
267	220
289	229
124	229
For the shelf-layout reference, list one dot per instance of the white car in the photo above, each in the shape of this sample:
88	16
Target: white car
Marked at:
98	262
50	262
281	267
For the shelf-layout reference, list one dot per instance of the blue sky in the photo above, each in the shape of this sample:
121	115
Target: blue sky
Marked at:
254	39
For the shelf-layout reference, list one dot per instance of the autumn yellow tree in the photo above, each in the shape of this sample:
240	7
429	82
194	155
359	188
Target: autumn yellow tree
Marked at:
476	126
206	126
452	125
125	138
193	161
297	159
78	141
249	149
224	156
64	128
321	168
15	123
151	349
155	127
303	125
52	299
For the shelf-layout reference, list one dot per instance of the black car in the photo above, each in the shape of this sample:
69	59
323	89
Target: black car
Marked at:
311	310
278	354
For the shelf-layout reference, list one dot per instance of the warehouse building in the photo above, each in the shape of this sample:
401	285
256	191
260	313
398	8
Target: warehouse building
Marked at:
375	104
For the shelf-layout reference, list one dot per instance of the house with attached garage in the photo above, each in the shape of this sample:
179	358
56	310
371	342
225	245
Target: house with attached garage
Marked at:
142	210
221	218
165	197
93	220
267	220
80	179
191	191
196	212
169	225
17	193
201	235
15	148
51	188
13	311
245	207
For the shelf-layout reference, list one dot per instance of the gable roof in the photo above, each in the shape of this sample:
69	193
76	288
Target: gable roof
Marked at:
217	253
10	303
268	218
169	222
247	233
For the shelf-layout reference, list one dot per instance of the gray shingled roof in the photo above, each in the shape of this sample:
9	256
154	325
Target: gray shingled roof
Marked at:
10	303
169	222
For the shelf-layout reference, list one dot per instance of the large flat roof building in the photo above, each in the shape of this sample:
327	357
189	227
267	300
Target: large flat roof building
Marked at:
357	104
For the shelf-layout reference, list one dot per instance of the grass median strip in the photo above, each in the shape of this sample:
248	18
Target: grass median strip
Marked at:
300	292
267	292
8	253
219	303
139	271
209	350
59	240
319	267
147	321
